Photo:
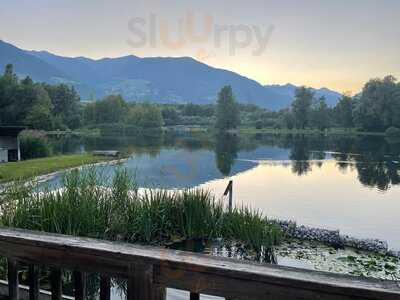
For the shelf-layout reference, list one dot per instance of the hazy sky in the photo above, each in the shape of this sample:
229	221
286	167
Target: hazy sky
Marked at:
334	43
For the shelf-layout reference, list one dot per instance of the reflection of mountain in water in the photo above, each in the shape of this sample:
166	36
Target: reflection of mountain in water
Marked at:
187	160
180	168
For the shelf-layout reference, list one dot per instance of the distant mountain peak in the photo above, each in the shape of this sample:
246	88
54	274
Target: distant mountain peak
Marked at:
288	89
160	79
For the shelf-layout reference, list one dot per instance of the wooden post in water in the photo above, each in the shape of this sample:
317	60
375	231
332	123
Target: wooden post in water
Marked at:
229	190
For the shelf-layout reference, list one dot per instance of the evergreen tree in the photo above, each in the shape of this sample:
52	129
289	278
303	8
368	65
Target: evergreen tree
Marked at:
301	106
227	110
9	74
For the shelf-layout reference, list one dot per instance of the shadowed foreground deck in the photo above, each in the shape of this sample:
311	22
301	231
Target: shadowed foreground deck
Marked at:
150	270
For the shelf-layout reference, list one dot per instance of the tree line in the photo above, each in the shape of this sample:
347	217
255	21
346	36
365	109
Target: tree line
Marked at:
37	105
59	107
376	108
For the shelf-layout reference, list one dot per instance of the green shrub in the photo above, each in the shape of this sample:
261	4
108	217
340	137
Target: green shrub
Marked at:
34	144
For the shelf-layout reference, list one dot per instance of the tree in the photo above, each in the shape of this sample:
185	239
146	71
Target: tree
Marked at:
320	114
343	112
170	116
39	116
227	110
8	96
145	116
286	118
301	106
9	74
112	109
379	105
66	104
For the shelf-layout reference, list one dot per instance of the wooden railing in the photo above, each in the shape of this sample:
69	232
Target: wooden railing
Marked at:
149	270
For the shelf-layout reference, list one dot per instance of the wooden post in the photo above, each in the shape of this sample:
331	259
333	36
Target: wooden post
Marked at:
194	296
105	287
160	293
56	284
13	285
141	285
33	282
80	285
229	190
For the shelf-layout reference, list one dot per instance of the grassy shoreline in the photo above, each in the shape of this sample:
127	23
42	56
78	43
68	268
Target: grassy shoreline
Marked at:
338	131
241	130
35	167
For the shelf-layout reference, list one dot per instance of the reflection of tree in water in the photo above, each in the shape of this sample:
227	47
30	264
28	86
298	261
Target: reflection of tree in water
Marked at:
343	147
377	170
373	158
226	148
300	155
139	144
378	174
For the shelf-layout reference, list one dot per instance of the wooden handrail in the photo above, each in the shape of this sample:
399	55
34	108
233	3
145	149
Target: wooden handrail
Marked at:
150	269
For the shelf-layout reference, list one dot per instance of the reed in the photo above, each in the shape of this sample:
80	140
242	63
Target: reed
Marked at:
86	205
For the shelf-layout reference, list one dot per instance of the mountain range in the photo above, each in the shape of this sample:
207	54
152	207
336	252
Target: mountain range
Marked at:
158	79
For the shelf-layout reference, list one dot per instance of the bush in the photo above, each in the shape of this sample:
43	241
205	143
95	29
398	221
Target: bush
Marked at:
393	132
34	144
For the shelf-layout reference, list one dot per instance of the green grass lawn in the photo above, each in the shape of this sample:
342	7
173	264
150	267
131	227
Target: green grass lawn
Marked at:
40	166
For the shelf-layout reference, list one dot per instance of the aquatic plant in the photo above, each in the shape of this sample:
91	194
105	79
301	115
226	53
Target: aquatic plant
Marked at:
251	228
86	205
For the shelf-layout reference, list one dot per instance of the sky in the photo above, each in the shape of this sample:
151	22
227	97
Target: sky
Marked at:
337	44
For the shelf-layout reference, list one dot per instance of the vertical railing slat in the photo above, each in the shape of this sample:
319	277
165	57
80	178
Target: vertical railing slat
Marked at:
105	287
141	284
194	296
13	285
33	282
56	284
80	285
132	292
160	293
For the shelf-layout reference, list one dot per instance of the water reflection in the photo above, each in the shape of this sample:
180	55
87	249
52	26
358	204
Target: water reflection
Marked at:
226	148
187	159
339	182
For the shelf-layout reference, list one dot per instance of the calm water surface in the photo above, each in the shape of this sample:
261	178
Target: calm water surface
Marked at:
337	182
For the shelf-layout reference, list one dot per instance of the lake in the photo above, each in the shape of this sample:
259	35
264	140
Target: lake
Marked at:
336	182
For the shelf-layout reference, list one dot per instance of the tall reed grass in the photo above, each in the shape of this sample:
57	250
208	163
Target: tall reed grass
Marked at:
87	206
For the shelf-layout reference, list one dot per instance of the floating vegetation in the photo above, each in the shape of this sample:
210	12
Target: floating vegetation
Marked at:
317	256
304	254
